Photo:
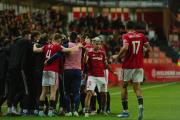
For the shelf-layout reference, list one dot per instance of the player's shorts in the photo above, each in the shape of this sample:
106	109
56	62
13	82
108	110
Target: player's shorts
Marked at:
106	74
99	81
50	78
136	75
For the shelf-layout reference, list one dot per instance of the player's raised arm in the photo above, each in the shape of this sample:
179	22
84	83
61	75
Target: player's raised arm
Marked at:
85	59
37	50
122	51
69	50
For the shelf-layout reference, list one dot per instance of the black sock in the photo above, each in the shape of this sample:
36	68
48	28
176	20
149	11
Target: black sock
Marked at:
52	104
93	103
86	109
83	97
140	100
99	99
125	103
108	101
103	107
46	102
41	105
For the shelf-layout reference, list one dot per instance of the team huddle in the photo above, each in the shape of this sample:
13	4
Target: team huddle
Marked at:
78	70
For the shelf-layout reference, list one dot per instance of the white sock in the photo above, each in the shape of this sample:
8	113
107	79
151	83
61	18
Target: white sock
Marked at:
35	111
61	109
50	111
40	111
20	110
25	110
9	110
140	105
126	111
13	108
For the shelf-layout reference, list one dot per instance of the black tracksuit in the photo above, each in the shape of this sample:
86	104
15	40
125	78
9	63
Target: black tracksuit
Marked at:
3	74
39	57
20	51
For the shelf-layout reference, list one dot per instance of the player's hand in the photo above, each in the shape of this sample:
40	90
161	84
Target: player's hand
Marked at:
116	74
64	36
144	49
87	50
115	57
87	40
45	63
36	44
80	45
83	76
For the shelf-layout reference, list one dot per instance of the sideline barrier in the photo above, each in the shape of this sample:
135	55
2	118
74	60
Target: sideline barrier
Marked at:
153	72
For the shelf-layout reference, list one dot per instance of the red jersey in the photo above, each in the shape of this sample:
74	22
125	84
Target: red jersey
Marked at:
134	54
101	49
49	51
95	63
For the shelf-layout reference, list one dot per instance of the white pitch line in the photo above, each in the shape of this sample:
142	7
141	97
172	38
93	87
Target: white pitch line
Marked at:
146	88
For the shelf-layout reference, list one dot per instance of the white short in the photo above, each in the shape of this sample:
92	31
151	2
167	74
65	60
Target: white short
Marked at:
136	75
106	74
99	81
50	78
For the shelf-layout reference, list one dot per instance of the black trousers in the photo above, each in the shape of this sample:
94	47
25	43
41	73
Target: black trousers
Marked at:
38	82
3	91
31	89
61	91
18	83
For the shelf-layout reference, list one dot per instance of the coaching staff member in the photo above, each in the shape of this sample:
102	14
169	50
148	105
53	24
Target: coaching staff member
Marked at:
19	51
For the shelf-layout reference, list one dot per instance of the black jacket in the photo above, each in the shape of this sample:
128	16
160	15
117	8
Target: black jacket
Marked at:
3	63
40	58
20	52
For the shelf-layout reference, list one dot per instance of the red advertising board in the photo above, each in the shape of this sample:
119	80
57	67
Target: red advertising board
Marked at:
153	72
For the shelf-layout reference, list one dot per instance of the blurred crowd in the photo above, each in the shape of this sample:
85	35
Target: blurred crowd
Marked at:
52	22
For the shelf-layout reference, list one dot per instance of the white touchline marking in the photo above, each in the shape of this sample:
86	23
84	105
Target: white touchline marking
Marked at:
146	88
151	96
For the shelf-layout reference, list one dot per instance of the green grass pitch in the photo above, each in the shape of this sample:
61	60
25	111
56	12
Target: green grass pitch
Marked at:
161	102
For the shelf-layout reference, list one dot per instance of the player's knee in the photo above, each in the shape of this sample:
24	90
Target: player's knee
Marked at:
104	94
89	94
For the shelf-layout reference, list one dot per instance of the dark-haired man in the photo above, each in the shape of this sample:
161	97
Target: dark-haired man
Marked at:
19	50
133	43
3	73
35	36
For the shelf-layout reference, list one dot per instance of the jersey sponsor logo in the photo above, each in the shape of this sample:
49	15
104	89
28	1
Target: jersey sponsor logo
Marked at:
98	58
93	55
133	36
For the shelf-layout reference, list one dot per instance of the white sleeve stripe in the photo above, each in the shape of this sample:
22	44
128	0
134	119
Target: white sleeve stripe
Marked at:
146	42
125	43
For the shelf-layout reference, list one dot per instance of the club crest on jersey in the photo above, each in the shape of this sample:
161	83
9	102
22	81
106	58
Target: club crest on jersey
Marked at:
124	40
93	55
